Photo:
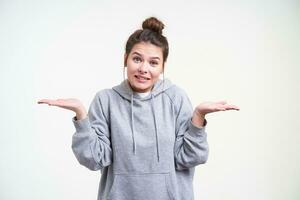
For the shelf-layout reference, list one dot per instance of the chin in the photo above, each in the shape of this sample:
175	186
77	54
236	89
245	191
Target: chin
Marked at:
140	87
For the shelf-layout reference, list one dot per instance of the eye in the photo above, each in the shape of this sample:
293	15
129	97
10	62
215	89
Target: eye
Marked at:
137	58
154	63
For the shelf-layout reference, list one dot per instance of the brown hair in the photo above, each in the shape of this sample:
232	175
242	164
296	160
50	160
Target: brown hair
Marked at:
151	32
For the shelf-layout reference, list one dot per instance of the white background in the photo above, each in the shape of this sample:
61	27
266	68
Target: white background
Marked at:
245	52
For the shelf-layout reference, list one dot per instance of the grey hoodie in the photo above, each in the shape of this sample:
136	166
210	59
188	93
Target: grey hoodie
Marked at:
146	148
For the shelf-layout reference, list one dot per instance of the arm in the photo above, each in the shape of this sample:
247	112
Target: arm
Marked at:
191	147
91	142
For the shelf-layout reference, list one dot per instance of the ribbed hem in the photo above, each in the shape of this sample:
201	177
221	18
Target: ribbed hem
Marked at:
195	131
82	125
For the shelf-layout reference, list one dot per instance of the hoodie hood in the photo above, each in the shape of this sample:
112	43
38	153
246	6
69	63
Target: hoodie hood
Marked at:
125	90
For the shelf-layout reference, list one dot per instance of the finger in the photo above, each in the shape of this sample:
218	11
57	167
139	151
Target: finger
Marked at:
57	102
220	109
50	102
232	107
44	101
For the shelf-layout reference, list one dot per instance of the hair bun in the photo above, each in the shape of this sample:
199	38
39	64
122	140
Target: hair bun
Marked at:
153	24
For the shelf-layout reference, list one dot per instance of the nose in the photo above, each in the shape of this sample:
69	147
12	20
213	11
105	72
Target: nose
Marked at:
143	68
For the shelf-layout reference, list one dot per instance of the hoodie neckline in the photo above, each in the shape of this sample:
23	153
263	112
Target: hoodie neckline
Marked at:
142	94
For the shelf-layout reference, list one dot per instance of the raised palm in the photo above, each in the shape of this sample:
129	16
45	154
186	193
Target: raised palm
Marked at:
209	107
70	103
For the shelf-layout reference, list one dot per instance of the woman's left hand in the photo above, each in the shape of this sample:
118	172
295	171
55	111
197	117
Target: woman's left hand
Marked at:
209	107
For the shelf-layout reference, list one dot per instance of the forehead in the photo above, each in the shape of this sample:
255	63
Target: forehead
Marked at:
147	49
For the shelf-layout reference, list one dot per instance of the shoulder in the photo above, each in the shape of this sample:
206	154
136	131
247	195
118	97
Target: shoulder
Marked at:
176	94
179	99
105	94
102	98
102	94
101	102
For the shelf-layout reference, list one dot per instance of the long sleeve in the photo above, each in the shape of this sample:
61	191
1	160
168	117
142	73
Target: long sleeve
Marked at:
91	142
191	147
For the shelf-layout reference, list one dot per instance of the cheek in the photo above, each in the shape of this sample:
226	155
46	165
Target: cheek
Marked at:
130	73
155	75
131	68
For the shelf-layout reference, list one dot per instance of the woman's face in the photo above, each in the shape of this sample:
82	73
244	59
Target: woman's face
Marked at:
144	65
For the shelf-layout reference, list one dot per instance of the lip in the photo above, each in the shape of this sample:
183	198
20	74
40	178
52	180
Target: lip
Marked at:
141	79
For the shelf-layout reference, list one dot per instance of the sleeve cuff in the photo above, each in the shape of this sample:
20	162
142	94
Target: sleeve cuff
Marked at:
82	125
196	131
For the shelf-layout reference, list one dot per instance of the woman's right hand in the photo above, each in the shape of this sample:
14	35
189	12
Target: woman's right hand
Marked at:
69	104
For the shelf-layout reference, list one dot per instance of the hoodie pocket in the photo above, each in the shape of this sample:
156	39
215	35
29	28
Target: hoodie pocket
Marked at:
151	186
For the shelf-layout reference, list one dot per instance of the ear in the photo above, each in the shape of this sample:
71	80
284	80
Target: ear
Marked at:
125	59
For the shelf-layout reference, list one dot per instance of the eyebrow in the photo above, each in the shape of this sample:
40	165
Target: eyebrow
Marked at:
141	55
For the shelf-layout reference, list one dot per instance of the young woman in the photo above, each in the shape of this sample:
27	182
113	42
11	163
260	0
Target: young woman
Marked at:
143	134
